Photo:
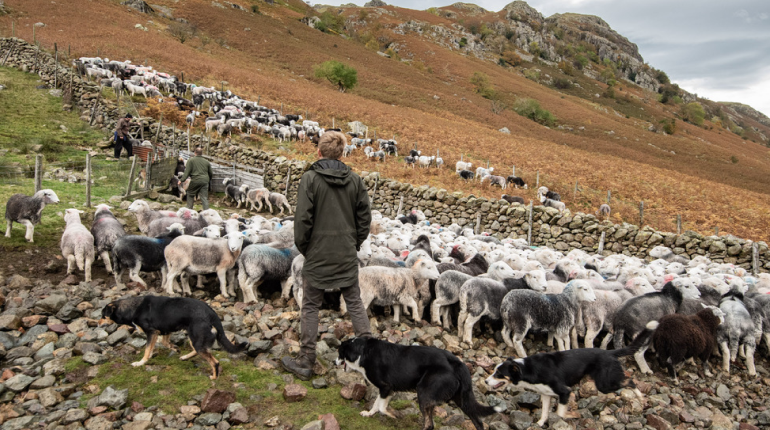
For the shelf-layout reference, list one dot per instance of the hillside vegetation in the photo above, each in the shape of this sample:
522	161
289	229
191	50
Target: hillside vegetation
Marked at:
607	132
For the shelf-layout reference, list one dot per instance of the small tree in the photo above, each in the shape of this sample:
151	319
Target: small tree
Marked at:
482	85
344	77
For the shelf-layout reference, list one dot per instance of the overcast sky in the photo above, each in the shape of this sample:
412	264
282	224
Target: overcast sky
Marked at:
717	49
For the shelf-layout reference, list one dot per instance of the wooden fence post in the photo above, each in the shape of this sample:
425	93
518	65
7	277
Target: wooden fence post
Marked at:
147	167
514	171
131	176
8	54
537	180
38	172
601	243
96	105
88	180
641	214
608	196
400	205
55	65
529	229
574	196
13	28
755	258
478	223
34	36
288	177
157	132
188	141
35	66
173	134
716	231
678	224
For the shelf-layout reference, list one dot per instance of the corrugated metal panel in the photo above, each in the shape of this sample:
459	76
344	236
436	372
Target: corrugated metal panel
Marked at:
222	171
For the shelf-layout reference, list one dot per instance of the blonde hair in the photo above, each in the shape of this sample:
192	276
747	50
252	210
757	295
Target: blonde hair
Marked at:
332	144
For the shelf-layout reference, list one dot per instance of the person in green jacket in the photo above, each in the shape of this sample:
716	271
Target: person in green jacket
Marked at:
199	169
330	224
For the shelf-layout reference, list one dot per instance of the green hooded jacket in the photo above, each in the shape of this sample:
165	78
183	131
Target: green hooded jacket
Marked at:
330	224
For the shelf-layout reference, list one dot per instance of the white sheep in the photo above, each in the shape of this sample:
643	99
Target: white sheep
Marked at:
200	255
77	244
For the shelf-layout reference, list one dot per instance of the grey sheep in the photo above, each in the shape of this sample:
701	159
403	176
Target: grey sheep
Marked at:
145	216
552	203
26	210
106	230
278	200
603	211
385	286
522	310
259	263
77	244
256	197
737	329
161	225
199	256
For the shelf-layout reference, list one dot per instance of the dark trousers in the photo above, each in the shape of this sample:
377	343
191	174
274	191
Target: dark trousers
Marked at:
311	303
200	189
123	142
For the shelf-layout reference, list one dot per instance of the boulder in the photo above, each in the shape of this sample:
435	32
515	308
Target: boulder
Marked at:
113	398
294	393
216	400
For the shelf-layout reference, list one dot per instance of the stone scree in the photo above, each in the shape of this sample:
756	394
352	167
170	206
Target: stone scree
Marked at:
562	232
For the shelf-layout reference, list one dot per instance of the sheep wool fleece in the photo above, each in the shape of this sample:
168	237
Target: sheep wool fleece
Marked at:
331	222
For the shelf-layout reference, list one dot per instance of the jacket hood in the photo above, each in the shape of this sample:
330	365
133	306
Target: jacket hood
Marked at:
334	172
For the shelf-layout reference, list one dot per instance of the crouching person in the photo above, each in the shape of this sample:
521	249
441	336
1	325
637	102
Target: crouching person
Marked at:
331	222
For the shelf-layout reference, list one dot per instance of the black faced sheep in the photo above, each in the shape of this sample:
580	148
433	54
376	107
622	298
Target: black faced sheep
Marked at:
141	253
26	210
236	193
466	174
516	182
106	230
679	337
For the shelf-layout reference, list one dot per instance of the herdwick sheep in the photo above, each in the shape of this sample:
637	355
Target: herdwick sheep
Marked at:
448	289
256	197
462	165
495	180
679	337
106	230
482	173
233	191
633	316
26	210
738	329
385	286
512	199
199	256
141	253
278	200
466	174
161	225
522	310
667	254
544	192
77	244
145	216
516	181
409	161
549	203
259	263
603	211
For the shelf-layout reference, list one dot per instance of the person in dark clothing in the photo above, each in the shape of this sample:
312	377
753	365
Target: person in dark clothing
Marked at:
199	169
122	137
330	224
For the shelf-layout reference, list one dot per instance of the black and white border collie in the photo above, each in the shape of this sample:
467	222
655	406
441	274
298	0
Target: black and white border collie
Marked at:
435	374
552	374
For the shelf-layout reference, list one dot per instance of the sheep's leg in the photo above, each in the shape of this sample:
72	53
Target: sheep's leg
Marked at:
87	270
725	356
222	275
119	277
105	256
574	336
550	339
641	362
30	230
70	264
231	282
133	274
185	281
415	309
170	277
750	360
285	288
435	312
461	322
507	335
606	340
8	229
163	276
200	283
546	400
469	323
445	312
589	339
742	351
253	286
343	306
396	313
243	284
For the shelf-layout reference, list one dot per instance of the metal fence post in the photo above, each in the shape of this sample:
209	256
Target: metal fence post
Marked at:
88	180
529	229
38	172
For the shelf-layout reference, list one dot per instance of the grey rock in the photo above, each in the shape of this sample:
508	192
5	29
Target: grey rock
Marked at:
54	367
10	322
118	336
18	352
94	358
45	353
320	383
113	398
18	423
51	304
208	419
44	382
527	399
723	392
32	334
19	382
314	425
74	415
69	312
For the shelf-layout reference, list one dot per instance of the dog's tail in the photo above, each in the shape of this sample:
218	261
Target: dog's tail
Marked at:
223	340
641	340
468	403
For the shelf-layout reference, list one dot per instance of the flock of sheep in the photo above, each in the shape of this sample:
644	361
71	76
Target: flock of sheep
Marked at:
450	275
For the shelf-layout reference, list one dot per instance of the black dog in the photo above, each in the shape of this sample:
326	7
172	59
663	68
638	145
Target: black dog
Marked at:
157	315
436	375
552	374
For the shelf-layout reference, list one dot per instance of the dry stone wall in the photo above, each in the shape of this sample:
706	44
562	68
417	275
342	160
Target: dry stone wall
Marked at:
563	232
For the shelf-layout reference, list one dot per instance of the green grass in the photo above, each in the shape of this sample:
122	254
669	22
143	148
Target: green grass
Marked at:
170	383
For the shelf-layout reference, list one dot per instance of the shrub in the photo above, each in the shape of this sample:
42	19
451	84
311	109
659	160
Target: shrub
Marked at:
344	77
534	49
463	42
255	9
509	33
531	109
734	159
182	31
669	125
532	75
662	77
482	86
693	113
581	61
668	93
512	58
373	45
562	83
566	68
330	22
485	31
